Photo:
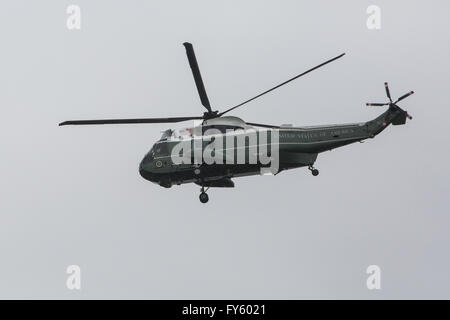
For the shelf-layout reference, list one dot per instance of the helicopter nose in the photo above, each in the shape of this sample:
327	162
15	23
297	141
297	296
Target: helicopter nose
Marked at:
146	172
143	173
147	175
141	165
142	170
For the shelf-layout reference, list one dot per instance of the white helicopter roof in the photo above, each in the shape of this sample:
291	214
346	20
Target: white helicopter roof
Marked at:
227	121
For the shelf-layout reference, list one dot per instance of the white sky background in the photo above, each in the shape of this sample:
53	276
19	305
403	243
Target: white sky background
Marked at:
73	195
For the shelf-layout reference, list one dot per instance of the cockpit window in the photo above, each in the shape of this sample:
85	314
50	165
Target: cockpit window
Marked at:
161	149
166	135
150	155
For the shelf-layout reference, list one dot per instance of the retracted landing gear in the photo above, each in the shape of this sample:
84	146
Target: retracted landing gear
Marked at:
313	170
203	195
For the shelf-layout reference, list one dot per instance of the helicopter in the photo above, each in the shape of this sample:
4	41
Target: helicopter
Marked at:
184	156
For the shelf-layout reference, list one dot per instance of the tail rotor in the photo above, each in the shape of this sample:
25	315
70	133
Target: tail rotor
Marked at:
390	103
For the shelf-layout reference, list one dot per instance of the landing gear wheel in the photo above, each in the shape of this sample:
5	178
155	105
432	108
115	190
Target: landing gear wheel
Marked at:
203	197
314	171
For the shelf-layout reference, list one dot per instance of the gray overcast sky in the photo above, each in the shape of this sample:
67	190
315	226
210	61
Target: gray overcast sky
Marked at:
73	195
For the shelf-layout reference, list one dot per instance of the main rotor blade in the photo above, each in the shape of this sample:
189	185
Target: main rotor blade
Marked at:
197	76
281	84
128	121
